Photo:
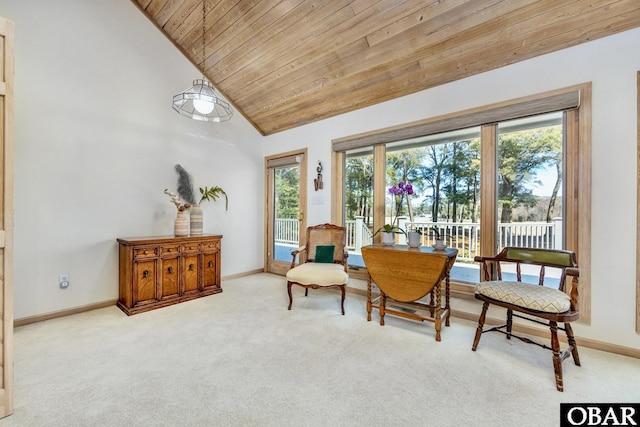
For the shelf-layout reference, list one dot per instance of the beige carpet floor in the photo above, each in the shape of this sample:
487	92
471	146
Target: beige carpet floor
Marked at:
240	358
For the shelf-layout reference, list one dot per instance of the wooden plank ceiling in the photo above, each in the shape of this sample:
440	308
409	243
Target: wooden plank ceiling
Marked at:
285	63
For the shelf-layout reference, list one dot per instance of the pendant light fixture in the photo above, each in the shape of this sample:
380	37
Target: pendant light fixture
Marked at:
200	102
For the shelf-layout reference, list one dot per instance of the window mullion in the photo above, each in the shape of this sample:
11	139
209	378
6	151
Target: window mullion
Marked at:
379	186
488	189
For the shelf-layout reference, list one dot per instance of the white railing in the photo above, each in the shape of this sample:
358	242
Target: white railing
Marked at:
358	234
286	230
464	236
544	235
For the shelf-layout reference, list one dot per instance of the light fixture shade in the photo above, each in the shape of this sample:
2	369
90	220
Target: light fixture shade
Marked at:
200	102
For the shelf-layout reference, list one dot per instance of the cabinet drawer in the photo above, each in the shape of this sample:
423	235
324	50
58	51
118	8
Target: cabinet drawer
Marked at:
145	252
170	250
190	248
213	245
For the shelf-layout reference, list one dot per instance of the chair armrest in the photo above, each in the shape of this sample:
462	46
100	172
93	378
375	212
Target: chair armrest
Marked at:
294	253
297	251
572	271
344	261
573	290
484	266
480	258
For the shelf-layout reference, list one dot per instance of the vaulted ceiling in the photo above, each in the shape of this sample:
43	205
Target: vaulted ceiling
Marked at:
285	63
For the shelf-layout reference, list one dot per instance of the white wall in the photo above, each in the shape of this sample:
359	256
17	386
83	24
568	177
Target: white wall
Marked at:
611	65
96	142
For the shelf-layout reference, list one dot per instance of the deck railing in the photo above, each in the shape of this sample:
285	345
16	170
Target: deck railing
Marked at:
286	230
463	236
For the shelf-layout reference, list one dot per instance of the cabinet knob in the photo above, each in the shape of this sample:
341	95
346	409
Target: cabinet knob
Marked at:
210	263
190	267
145	274
170	270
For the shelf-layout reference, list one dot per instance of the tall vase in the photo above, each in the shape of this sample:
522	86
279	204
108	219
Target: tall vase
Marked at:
195	220
181	226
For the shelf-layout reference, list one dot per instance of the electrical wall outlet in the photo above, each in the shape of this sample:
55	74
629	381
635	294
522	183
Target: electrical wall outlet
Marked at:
64	281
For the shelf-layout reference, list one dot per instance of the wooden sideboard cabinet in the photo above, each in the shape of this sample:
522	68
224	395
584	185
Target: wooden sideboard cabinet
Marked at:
160	271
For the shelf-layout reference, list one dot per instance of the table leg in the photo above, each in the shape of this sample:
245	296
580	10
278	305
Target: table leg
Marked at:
447	295
368	298
432	304
438	318
383	302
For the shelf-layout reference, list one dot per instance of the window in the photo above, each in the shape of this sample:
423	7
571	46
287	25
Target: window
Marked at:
486	178
444	172
358	204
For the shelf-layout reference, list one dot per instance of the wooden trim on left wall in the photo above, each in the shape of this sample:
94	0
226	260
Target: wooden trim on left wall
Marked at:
108	303
7	78
61	313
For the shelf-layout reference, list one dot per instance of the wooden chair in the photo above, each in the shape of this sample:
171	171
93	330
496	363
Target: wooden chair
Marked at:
541	304
323	261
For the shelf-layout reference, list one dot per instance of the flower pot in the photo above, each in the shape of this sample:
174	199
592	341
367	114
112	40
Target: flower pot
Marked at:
388	239
195	220
181	226
413	239
439	246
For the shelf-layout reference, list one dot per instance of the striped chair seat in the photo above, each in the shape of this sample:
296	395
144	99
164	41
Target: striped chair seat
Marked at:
532	297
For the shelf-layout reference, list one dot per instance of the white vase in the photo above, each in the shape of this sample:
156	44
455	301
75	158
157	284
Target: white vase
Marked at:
388	239
181	225
413	239
439	245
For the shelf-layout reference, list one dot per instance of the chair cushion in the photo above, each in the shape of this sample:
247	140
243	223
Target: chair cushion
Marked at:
532	297
311	273
324	254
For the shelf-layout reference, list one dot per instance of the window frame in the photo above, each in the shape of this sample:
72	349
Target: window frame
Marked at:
575	100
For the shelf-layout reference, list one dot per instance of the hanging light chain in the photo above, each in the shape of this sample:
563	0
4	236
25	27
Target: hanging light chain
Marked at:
204	14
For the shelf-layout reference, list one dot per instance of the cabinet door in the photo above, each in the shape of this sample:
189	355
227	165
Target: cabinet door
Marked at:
169	278
190	273
144	285
211	270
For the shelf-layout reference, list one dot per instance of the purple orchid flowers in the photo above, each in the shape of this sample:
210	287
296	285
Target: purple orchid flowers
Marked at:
401	189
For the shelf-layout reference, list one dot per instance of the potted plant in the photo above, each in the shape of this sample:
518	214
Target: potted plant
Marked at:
185	190
439	245
212	194
388	234
181	224
390	230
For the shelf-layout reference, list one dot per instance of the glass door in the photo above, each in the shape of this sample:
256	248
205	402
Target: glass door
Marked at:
286	190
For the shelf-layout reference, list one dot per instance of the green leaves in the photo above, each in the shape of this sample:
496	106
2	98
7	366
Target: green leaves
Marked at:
212	194
388	228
